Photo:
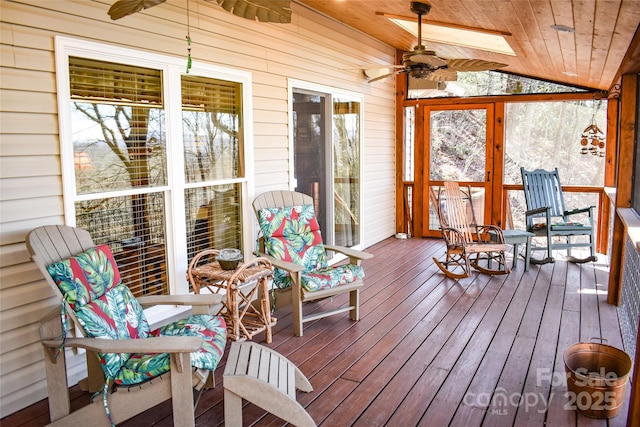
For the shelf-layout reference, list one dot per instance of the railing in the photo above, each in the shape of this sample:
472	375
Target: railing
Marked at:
602	213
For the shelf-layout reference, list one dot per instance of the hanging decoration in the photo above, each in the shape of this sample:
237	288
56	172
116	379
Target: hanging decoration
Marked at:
592	138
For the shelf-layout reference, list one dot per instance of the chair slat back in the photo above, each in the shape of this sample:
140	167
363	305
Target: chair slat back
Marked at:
52	243
456	210
279	199
543	189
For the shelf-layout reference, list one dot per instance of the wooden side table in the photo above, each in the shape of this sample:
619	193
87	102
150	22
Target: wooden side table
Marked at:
244	319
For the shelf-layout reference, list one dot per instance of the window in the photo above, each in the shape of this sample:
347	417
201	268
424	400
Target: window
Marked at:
327	147
483	83
157	181
547	135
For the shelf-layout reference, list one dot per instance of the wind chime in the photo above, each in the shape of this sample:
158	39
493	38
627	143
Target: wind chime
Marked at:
592	139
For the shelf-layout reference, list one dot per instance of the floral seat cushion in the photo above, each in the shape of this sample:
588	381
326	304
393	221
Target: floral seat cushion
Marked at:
105	308
292	234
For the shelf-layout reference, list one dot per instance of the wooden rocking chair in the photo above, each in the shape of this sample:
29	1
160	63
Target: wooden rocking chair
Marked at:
546	217
468	244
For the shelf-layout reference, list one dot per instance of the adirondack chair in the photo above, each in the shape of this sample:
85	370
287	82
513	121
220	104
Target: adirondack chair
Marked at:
292	241
86	279
468	244
547	217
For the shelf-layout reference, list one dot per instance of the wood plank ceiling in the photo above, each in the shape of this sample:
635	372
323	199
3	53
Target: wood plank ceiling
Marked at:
589	57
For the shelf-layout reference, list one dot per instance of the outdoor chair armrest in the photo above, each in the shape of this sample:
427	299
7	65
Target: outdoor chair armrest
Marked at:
485	232
537	211
579	211
351	253
453	237
199	299
283	265
167	344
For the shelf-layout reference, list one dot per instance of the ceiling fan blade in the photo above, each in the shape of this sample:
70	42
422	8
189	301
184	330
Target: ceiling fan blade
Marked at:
384	76
443	75
466	64
424	84
278	11
122	8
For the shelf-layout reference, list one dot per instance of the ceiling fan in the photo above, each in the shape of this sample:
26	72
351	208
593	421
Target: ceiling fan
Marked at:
421	63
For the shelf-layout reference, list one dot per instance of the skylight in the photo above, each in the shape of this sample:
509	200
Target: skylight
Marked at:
483	40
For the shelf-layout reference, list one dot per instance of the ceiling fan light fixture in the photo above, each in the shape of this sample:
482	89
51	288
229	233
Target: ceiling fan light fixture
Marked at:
420	72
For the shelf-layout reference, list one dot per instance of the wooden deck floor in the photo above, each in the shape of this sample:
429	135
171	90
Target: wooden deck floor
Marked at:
431	351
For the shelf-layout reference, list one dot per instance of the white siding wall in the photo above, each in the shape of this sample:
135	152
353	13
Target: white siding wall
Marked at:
312	48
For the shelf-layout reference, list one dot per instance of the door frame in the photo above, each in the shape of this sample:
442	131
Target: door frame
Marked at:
494	206
331	93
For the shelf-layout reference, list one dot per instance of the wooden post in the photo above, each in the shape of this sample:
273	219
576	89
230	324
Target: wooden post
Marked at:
626	145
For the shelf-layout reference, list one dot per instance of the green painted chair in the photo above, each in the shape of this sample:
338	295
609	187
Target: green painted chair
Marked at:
547	217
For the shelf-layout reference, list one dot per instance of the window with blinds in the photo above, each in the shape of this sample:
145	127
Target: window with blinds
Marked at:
211	118
126	184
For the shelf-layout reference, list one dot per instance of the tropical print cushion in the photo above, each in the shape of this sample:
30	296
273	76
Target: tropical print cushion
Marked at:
331	277
212	329
106	308
292	234
86	276
140	367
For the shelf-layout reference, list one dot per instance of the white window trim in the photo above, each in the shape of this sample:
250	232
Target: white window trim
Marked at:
333	92
172	68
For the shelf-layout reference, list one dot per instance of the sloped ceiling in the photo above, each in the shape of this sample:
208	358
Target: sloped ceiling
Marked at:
590	57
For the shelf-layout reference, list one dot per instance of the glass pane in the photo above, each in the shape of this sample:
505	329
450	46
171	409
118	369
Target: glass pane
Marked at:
134	228
458	145
114	83
409	136
346	171
211	122
310	145
213	218
483	83
473	199
548	135
118	147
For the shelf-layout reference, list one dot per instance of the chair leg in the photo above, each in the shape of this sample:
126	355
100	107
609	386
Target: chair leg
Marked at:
500	257
527	254
354	301
458	261
55	365
514	262
232	409
181	395
296	304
